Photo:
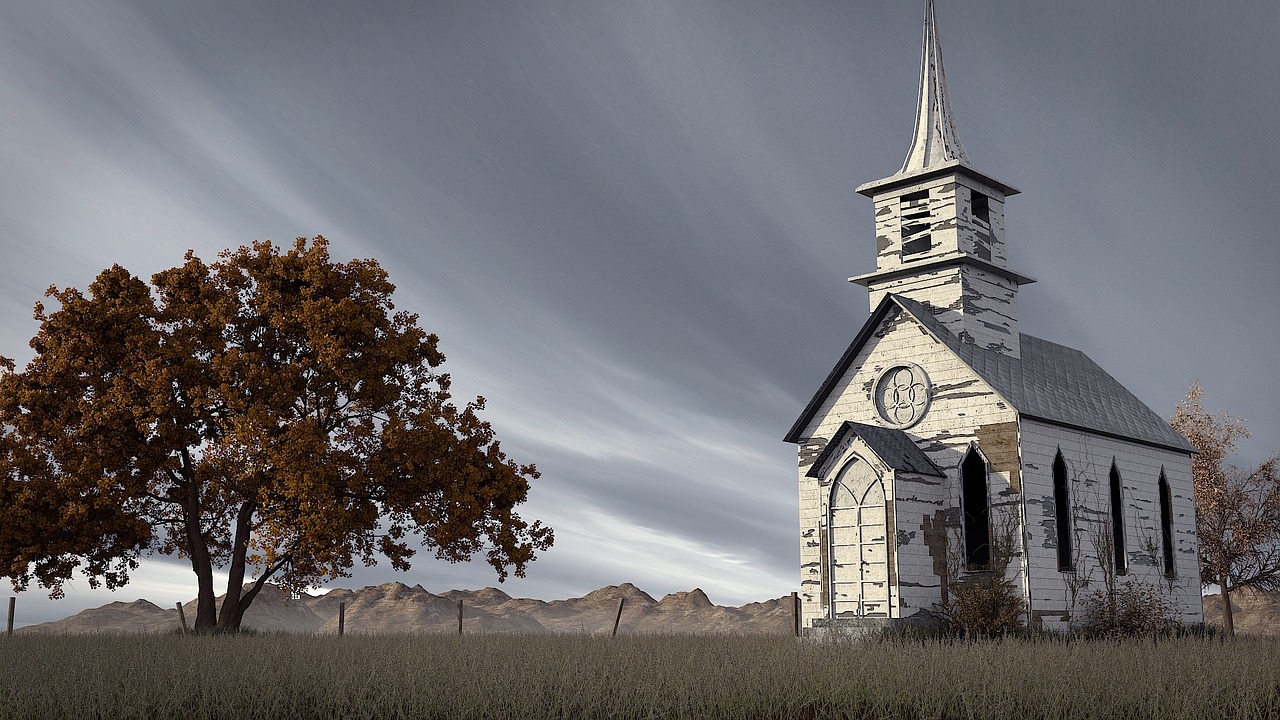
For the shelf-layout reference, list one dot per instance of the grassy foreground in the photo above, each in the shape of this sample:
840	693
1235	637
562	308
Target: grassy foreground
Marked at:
511	676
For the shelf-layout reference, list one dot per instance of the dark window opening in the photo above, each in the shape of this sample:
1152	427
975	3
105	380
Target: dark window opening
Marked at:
918	245
1062	513
1117	522
1166	526
980	206
977	512
916	196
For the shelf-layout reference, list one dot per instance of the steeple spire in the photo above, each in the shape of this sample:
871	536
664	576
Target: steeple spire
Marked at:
940	225
935	141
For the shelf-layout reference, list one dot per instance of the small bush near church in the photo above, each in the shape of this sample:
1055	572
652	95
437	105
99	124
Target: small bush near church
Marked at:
983	605
1130	609
983	602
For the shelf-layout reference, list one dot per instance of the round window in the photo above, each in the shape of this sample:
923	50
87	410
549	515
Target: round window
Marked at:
902	395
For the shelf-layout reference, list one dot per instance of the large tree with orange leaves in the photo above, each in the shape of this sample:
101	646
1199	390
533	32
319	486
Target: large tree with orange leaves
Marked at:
1237	509
268	413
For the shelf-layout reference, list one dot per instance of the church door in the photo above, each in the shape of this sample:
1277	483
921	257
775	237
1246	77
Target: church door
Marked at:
858	535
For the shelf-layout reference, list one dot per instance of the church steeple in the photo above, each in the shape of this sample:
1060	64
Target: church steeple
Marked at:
936	141
940	223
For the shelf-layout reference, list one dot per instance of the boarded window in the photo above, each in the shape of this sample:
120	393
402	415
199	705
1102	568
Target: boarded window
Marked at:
1117	522
1166	526
1062	513
915	223
917	245
977	512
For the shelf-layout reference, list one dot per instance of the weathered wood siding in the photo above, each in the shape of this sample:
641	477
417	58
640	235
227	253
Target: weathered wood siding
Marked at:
953	228
963	410
1088	461
976	305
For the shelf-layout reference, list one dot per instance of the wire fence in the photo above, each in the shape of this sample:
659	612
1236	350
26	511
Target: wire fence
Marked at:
342	616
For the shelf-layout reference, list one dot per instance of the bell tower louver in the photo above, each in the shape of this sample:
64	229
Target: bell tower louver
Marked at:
940	224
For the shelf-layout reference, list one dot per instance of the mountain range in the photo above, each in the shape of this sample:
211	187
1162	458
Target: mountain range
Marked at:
398	608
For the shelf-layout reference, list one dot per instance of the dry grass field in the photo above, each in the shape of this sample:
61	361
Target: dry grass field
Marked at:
568	676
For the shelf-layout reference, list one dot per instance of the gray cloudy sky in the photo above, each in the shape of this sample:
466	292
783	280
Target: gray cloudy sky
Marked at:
631	221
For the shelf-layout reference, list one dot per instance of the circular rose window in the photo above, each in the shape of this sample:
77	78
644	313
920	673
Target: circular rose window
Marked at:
902	395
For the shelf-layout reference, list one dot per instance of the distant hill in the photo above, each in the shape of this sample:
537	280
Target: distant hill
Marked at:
398	608
1255	612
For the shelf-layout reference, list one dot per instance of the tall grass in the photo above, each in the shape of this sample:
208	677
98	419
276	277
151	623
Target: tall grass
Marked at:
512	676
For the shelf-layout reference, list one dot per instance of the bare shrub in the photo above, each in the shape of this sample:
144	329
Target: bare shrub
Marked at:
1129	609
984	602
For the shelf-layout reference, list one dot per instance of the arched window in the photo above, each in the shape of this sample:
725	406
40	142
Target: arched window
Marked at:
1062	513
1117	521
1166	525
977	511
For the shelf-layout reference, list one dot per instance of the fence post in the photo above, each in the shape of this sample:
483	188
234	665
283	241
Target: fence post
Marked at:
13	601
459	616
182	618
617	618
795	613
342	618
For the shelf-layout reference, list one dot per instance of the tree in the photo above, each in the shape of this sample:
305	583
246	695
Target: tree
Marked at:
1237	509
266	411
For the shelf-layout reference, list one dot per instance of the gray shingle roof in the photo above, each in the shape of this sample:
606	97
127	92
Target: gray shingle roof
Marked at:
1050	382
894	447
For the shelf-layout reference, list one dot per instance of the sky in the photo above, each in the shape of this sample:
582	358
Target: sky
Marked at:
631	222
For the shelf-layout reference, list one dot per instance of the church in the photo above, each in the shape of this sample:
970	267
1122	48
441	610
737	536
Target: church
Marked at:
946	442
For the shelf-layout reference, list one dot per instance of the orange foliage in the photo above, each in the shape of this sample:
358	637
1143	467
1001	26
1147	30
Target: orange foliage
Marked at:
1237	509
269	411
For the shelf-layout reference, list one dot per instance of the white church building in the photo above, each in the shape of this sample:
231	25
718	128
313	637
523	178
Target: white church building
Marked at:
944	428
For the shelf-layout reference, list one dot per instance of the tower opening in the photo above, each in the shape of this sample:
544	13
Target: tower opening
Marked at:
915	224
980	206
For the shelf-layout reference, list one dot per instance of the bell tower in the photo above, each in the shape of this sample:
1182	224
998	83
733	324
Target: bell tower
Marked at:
940	224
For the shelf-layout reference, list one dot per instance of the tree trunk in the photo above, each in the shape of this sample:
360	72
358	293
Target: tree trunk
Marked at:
247	599
206	602
1228	622
198	549
232	609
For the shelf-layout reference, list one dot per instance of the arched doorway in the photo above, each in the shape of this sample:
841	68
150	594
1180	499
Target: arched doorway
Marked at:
858	534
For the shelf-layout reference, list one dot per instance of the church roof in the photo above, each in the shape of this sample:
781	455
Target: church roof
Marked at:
1050	382
894	447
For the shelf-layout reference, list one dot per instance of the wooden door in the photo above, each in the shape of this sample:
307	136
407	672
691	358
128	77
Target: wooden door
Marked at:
859	556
